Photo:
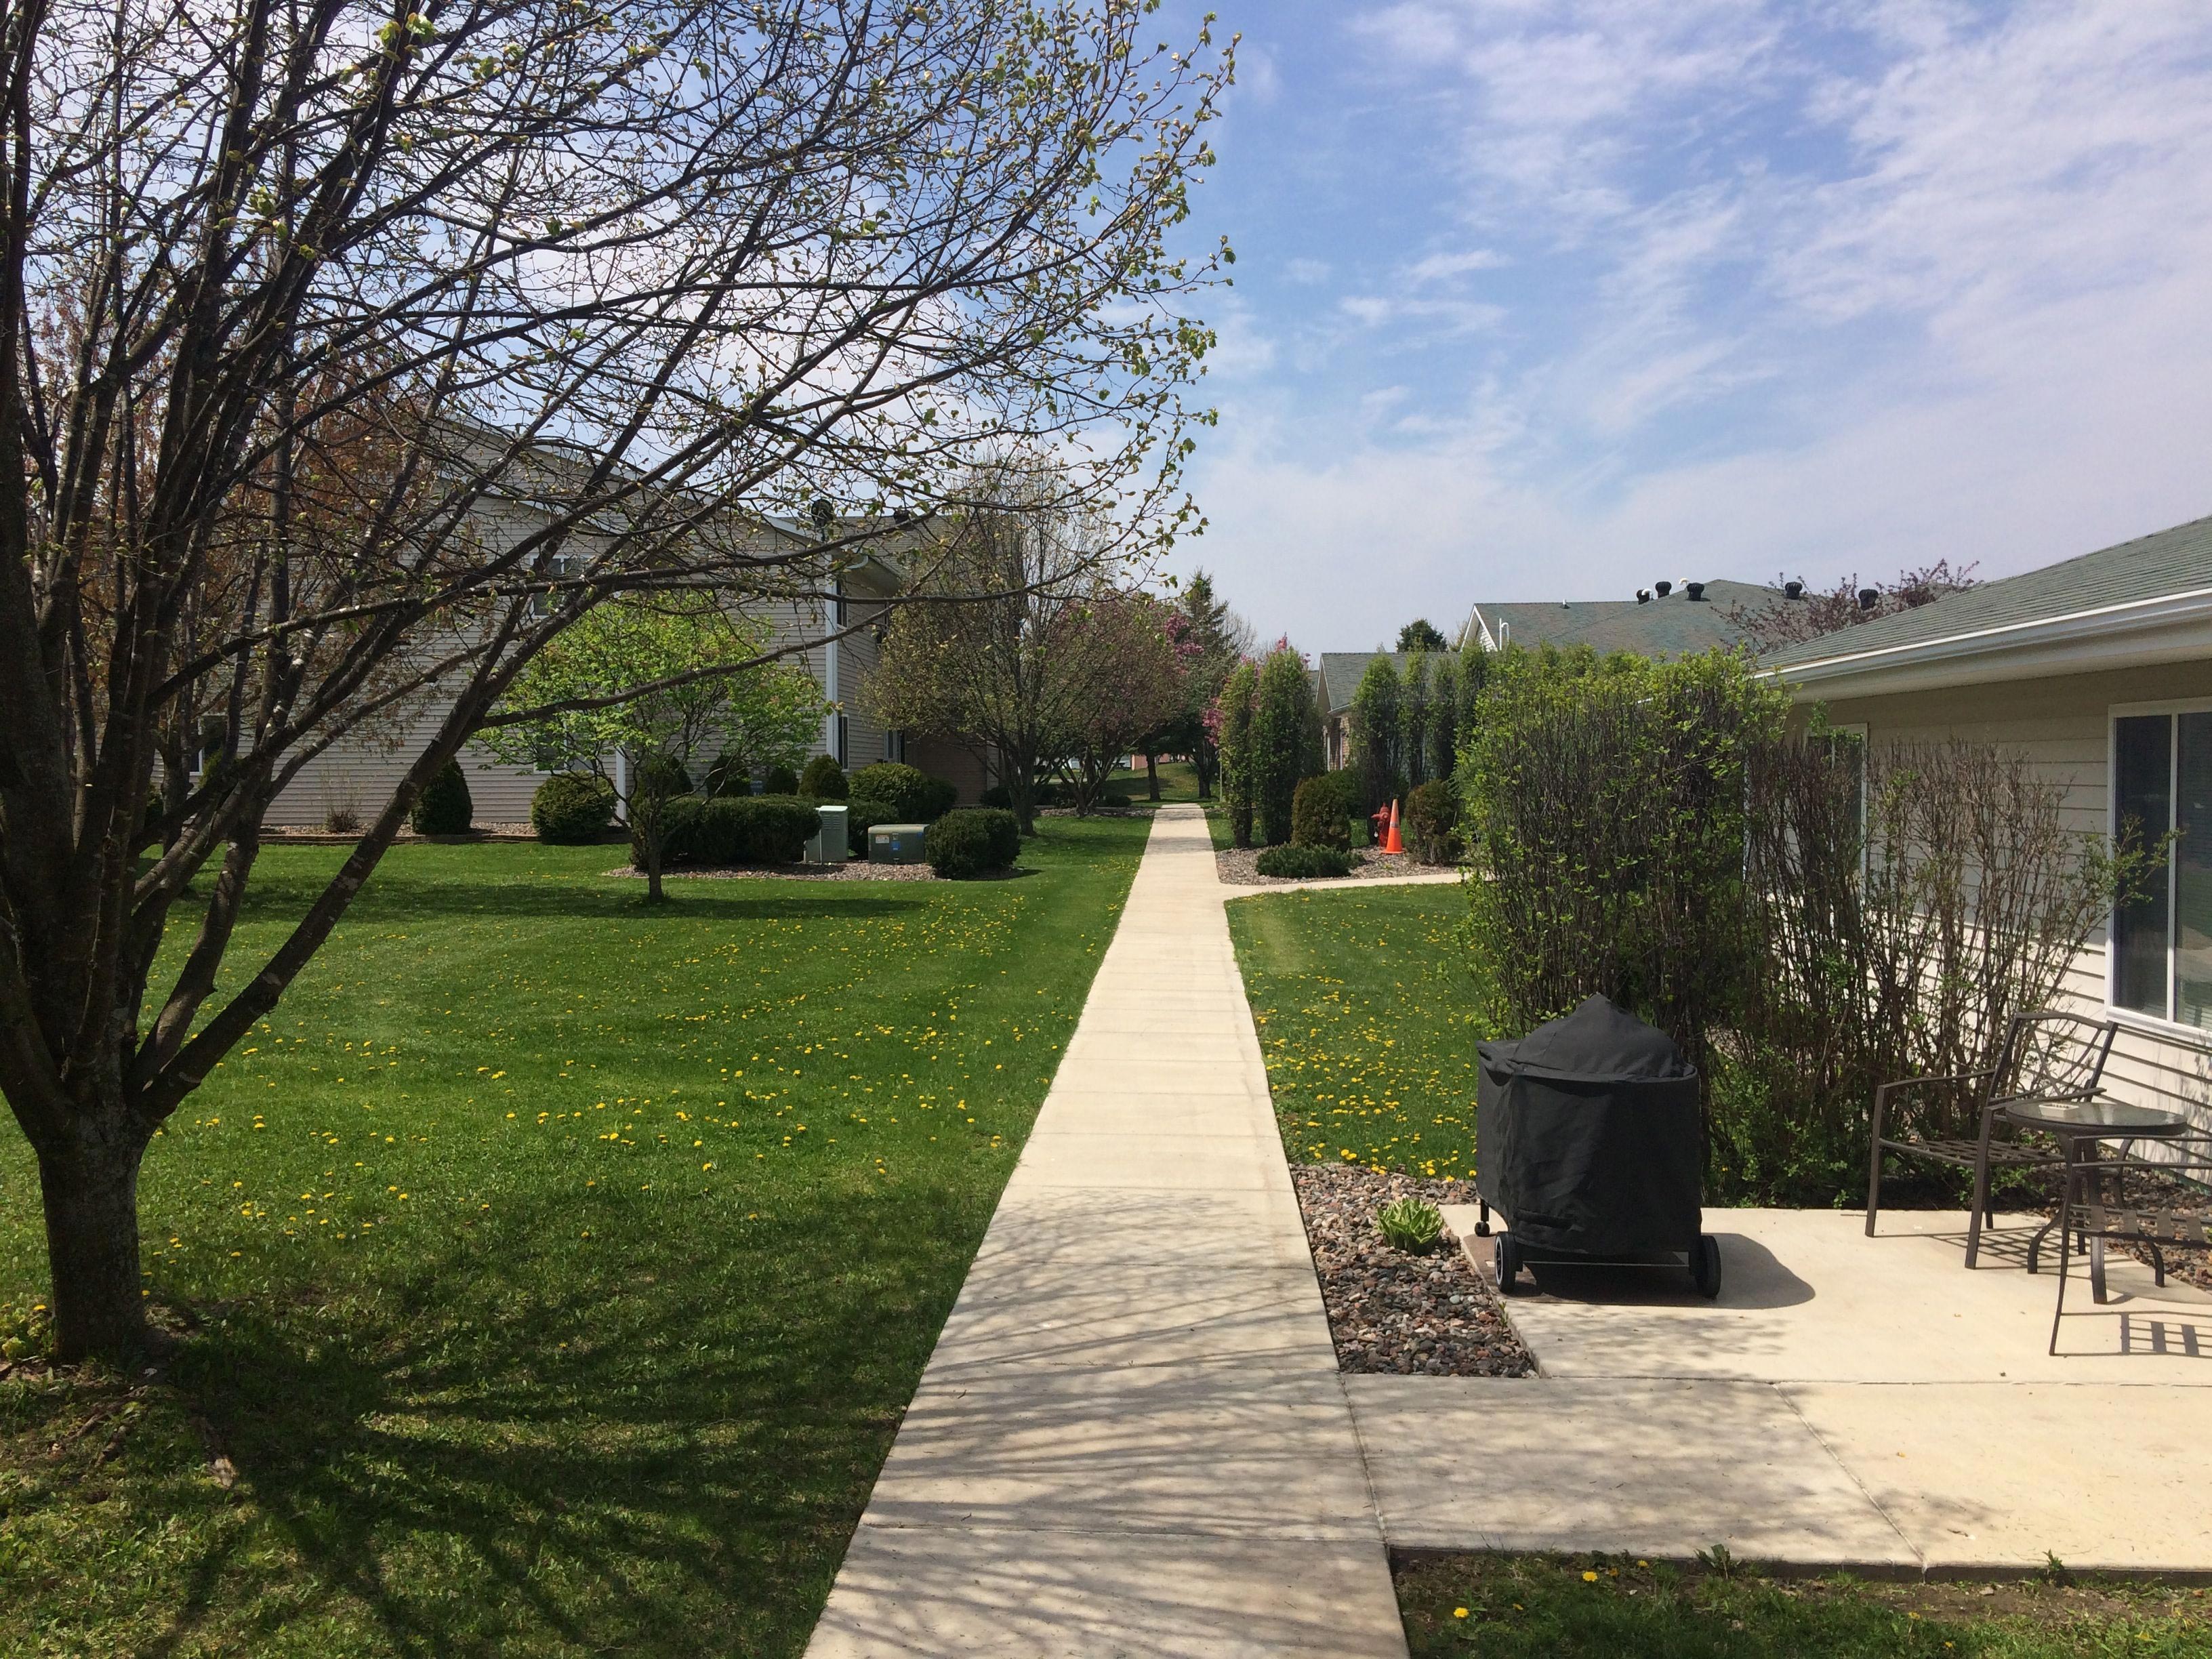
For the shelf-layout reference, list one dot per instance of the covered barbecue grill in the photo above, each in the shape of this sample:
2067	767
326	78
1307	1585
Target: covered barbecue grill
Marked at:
1588	1139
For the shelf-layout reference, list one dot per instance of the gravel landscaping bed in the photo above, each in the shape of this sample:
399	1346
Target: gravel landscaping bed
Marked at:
1239	867
1389	1312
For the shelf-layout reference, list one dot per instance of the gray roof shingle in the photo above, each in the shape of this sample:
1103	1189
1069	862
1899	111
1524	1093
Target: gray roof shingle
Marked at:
2153	567
1673	626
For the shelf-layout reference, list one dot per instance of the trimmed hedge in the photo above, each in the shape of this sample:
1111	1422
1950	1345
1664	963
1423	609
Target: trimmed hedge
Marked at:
920	798
1000	796
780	781
972	839
823	780
1303	862
572	809
1431	823
728	775
1323	809
699	829
444	807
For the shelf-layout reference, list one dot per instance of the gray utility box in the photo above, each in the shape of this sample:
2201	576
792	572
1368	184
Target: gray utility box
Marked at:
828	845
897	843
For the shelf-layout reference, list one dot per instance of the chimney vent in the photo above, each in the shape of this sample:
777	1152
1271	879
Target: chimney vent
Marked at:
1869	597
1695	590
1643	595
1665	588
1793	590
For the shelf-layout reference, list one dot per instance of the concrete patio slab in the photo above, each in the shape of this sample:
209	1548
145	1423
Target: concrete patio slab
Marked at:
1652	1468
1807	1297
963	1593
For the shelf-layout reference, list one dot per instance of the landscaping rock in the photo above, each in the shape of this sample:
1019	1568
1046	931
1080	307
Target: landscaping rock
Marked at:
1389	1312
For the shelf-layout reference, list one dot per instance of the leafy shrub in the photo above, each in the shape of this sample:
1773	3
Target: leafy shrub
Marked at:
1000	796
862	814
1411	1225
1323	809
729	775
920	798
1431	823
1239	773
572	809
781	780
971	839
823	780
700	830
1285	741
444	807
1305	861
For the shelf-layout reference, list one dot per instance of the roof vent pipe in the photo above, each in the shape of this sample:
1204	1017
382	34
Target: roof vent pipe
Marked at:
1869	597
1695	590
1665	588
1793	590
1643	595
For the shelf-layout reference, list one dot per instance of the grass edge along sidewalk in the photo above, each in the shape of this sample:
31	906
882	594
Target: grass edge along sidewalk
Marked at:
553	1271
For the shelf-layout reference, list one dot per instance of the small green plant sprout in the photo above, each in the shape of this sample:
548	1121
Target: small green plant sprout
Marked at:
1411	1225
1720	1561
2054	1571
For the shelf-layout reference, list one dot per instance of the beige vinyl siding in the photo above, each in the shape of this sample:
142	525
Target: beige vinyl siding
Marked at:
2063	724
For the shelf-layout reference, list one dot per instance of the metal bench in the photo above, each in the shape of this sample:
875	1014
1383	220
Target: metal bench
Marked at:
2047	1055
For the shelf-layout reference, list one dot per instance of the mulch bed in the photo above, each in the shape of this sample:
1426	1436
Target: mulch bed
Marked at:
1239	867
1394	1313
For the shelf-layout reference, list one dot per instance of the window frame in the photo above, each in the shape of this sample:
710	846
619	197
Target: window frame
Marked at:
2163	1025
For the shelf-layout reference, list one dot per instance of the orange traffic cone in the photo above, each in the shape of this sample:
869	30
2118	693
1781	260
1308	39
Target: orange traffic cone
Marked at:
1392	844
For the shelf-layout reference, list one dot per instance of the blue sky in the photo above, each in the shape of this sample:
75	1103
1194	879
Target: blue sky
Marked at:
1552	298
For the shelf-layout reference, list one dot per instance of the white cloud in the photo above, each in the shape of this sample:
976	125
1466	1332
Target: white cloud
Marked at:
1444	267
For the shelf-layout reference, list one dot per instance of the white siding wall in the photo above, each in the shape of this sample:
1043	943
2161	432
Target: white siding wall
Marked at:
2063	725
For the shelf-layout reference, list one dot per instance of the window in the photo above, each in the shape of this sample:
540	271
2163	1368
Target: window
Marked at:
2161	951
894	745
840	752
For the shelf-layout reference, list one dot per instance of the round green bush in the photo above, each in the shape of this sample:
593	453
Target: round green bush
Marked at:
729	775
1304	862
572	809
444	807
1431	823
862	814
971	840
1000	796
823	780
919	797
1322	810
781	780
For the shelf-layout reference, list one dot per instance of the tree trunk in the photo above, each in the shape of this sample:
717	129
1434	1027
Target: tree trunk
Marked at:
652	893
90	1190
1153	776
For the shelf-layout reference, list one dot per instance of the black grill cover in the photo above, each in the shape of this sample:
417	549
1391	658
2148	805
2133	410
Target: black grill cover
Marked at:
1588	1135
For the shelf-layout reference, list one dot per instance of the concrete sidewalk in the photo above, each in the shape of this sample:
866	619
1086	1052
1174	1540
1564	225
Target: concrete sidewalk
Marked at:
1132	1439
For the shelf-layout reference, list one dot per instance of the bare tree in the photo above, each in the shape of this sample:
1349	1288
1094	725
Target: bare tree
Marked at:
348	354
1776	622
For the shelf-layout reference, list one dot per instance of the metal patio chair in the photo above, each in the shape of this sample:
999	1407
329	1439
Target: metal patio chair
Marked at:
2161	1197
2048	1055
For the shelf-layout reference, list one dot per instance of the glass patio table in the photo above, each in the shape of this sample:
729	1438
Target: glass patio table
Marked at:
2097	1118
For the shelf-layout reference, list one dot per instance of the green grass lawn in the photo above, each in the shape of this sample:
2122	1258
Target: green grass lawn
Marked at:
1553	1607
1367	1015
556	1270
1178	783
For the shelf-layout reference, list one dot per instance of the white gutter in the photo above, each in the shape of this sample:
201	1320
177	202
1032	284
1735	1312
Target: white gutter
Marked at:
2163	610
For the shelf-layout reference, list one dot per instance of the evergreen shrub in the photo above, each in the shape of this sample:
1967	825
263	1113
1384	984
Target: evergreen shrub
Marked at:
823	780
1431	823
973	839
699	830
572	809
780	781
920	798
1323	809
444	807
1304	862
